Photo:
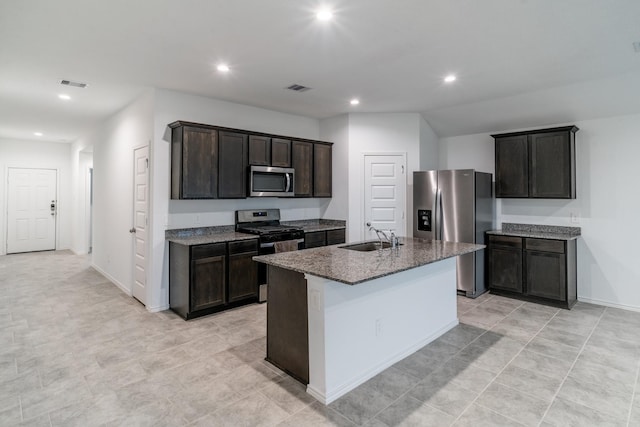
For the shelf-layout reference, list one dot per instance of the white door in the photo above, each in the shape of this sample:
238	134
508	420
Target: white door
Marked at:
140	221
384	194
31	210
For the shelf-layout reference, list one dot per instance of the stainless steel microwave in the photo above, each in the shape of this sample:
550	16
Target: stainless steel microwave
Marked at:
267	181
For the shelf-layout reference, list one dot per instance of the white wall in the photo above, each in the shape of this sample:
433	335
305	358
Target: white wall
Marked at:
429	147
113	143
44	155
380	133
81	160
171	106
607	153
336	130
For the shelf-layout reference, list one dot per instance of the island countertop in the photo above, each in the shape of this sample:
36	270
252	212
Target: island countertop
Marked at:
353	267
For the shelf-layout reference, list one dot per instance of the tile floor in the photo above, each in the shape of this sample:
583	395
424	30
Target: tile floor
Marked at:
76	351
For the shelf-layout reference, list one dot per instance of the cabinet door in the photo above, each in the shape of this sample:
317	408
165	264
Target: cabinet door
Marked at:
550	169
505	268
335	237
321	170
243	270
232	165
259	150
207	282
281	153
546	275
302	162
195	174
315	239
512	166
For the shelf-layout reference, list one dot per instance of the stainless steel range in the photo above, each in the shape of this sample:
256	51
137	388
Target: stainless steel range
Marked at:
266	224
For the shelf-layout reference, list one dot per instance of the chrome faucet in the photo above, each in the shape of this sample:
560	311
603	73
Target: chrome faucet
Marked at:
393	240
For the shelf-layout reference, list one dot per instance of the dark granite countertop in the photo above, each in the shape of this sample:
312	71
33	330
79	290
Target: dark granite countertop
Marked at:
553	232
353	267
205	235
310	225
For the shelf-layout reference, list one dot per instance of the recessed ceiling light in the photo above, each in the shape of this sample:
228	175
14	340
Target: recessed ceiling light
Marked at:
450	78
64	96
354	101
324	15
223	68
38	133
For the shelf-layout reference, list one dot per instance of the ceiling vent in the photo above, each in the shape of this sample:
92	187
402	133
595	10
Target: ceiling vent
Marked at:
72	83
298	88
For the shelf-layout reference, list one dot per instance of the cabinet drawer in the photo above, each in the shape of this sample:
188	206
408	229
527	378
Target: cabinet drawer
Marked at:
335	236
315	239
209	250
545	245
509	241
243	246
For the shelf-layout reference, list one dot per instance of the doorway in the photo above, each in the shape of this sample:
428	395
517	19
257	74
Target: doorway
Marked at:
140	227
385	187
32	210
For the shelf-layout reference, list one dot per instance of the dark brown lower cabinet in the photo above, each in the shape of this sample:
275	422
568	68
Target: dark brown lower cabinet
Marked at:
316	239
287	322
505	263
207	278
243	271
537	270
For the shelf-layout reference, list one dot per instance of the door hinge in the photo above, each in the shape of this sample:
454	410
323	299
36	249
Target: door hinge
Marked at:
402	214
146	161
402	168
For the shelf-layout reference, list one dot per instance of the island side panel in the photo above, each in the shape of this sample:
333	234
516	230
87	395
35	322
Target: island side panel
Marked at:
356	332
287	334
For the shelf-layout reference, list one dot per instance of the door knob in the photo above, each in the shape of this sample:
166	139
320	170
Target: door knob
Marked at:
133	230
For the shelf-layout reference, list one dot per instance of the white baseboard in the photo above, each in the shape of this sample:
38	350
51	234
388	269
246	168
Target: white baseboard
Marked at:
355	382
609	304
158	308
112	279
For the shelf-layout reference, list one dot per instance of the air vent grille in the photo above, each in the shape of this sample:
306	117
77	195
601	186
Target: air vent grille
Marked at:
298	88
72	83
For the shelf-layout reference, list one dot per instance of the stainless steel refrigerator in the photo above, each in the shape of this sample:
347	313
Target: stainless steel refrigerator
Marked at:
456	206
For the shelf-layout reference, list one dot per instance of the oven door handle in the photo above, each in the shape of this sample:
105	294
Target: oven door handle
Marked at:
270	244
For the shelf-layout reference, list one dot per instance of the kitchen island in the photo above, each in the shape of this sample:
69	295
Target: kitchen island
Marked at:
337	317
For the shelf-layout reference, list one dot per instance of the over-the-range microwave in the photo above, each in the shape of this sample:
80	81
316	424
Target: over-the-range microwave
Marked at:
267	181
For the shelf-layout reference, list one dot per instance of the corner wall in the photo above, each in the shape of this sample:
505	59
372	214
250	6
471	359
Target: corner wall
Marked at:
113	143
607	204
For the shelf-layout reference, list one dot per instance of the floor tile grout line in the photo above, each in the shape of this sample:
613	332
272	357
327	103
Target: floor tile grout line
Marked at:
555	395
498	413
505	366
635	392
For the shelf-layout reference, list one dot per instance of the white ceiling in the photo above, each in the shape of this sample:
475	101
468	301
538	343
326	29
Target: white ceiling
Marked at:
520	63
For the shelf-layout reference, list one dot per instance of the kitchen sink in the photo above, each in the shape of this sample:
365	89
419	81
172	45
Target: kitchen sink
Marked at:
373	245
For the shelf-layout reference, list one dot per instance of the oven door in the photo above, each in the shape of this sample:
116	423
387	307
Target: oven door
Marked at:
267	248
266	181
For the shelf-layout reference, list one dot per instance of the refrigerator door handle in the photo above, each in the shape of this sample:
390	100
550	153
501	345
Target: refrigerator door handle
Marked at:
437	211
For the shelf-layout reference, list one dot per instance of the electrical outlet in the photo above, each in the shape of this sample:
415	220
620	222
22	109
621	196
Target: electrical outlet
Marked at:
378	327
196	219
574	217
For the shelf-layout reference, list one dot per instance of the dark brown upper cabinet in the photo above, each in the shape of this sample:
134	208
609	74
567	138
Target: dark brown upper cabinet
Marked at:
232	166
259	150
194	163
281	152
321	170
302	162
536	164
211	162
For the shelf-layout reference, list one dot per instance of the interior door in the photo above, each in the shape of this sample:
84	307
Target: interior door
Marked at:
31	210
384	194
140	221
